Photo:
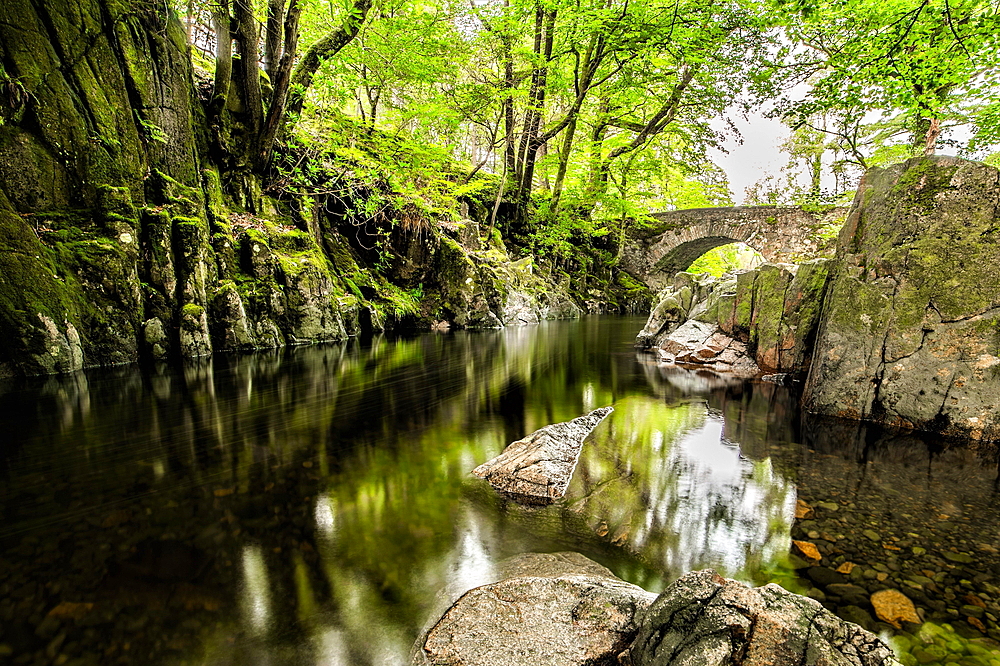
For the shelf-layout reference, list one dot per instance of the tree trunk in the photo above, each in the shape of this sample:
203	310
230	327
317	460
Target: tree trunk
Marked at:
280	84
564	154
223	77
816	174
933	132
326	47
273	37
530	143
246	71
510	155
597	179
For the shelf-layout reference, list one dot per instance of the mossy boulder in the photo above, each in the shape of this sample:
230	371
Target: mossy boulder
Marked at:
910	332
772	310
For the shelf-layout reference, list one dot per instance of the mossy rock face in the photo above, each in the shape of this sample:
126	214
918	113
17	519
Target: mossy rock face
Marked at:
910	331
256	258
773	309
109	99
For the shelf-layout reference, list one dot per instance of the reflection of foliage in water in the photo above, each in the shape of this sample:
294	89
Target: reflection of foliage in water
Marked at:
680	495
344	471
398	524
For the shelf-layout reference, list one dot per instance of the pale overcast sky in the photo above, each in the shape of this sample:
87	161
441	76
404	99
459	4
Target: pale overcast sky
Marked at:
758	155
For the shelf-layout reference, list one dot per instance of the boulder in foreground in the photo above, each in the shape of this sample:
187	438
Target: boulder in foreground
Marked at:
557	617
538	468
702	619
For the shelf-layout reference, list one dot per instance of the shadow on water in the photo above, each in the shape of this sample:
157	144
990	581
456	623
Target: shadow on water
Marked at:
315	505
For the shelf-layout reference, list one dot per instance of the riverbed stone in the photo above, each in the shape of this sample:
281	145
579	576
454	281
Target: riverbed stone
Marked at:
704	619
809	550
850	594
894	607
538	468
958	558
823	576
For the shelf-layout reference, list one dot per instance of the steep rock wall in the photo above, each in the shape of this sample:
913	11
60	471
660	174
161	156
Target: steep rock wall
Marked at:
120	240
910	331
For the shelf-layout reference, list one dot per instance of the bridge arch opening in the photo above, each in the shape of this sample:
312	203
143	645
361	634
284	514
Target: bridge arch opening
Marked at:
684	255
727	258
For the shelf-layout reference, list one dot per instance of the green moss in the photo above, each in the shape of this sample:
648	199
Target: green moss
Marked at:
770	288
744	300
353	287
921	181
184	200
218	212
191	316
115	203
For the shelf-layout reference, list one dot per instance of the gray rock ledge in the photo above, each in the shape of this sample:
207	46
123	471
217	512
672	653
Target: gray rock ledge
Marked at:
703	619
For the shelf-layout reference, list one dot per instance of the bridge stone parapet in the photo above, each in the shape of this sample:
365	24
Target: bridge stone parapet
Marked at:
780	233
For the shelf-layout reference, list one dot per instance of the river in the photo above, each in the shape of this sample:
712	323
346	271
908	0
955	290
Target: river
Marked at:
314	505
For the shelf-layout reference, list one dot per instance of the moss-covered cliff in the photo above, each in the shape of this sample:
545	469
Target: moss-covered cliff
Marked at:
909	329
120	239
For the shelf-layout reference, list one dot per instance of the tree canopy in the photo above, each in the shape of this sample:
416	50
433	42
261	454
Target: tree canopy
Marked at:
598	110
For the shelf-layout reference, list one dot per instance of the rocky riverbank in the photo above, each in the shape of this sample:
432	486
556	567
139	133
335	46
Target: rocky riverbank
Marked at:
755	322
898	328
132	234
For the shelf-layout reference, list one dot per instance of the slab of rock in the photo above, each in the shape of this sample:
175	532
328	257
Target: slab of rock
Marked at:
551	565
700	343
570	619
702	619
538	468
908	327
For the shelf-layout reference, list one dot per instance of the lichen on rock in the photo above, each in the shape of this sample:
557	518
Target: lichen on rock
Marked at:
909	333
703	619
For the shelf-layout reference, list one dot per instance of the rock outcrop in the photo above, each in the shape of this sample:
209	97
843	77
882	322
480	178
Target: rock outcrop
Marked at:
558	610
124	234
702	619
761	320
909	333
538	468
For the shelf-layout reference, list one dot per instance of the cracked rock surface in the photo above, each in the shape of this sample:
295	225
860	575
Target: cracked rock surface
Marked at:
569	612
702	619
538	468
909	328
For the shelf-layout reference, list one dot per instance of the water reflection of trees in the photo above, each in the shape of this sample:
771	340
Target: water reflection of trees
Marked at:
327	489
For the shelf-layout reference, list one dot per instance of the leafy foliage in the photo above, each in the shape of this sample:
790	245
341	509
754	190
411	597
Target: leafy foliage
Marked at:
571	120
725	259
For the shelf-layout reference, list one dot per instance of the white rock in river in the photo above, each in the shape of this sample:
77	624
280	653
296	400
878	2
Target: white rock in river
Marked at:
539	467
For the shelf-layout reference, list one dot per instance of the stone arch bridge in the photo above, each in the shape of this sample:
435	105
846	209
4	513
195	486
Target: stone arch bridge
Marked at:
780	233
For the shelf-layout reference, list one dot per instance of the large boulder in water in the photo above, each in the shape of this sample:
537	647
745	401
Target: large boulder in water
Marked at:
702	619
910	326
559	610
538	468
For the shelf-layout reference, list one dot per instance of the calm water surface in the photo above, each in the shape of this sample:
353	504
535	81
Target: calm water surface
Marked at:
314	506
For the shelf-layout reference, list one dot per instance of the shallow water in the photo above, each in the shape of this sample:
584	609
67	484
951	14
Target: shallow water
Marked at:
315	505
